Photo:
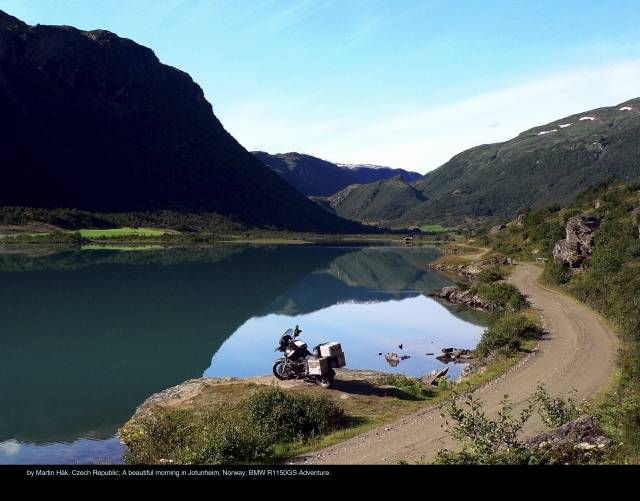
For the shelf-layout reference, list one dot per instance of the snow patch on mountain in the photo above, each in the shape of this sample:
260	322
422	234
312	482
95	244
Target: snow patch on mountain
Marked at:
363	166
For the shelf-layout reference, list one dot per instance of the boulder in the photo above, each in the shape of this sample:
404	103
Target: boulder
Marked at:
456	355
433	377
582	433
497	229
568	252
577	246
392	359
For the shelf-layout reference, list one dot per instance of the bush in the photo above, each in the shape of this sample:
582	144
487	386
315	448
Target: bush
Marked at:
555	411
506	332
485	440
556	272
247	431
413	387
489	275
502	294
496	441
290	416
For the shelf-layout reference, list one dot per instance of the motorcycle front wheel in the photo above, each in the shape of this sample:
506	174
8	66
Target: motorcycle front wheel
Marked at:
281	370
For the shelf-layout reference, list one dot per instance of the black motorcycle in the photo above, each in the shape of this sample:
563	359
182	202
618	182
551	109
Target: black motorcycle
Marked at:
295	364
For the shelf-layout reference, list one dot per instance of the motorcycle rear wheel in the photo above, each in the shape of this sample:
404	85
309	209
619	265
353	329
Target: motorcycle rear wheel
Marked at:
326	382
280	370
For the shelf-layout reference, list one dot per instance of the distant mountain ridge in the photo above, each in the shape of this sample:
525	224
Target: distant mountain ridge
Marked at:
545	165
380	203
313	176
95	122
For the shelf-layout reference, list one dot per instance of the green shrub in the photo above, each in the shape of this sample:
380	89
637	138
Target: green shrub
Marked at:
291	416
492	274
496	440
502	294
555	411
243	432
413	387
506	333
556	272
485	440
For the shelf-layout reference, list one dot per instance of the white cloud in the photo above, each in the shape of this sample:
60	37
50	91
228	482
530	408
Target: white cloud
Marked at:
422	139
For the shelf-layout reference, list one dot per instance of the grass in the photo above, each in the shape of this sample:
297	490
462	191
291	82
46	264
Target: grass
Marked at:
123	232
435	228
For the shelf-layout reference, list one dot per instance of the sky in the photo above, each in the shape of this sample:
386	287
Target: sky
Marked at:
404	83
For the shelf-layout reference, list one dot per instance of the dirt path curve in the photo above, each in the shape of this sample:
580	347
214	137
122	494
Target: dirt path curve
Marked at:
578	353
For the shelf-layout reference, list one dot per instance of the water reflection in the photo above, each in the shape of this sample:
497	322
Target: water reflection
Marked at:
85	336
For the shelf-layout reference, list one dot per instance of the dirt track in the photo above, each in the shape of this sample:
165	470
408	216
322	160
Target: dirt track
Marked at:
578	353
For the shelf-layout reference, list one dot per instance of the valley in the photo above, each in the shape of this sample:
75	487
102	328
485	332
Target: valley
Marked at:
149	262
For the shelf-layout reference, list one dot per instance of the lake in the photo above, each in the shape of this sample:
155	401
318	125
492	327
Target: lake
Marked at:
87	335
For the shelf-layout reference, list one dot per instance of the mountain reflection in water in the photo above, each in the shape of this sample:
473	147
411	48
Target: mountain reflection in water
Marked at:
86	336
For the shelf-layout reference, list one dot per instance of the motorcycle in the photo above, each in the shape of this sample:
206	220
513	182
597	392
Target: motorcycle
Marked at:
295	363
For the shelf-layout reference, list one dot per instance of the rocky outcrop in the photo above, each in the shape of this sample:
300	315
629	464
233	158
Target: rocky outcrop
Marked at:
456	295
455	355
471	270
497	229
577	246
582	434
434	377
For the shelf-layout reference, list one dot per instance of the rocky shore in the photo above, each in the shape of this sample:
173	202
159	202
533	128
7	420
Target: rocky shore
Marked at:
466	297
472	270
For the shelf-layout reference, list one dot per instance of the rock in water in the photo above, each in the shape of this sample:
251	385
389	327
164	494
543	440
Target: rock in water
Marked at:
392	359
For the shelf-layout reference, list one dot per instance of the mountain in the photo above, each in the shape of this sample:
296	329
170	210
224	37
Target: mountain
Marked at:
369	173
543	166
380	203
313	176
94	121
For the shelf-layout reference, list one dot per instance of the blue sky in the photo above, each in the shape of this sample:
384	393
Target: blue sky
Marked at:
406	83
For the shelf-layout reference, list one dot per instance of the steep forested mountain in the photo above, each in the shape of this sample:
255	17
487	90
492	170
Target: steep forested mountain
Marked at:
94	121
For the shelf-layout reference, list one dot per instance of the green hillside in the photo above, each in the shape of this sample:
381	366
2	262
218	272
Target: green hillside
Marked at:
379	203
546	165
543	166
608	280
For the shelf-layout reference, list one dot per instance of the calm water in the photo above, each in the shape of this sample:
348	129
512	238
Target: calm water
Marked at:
86	336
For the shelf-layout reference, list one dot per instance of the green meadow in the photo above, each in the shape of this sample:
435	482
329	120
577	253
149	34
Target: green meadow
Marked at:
123	232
